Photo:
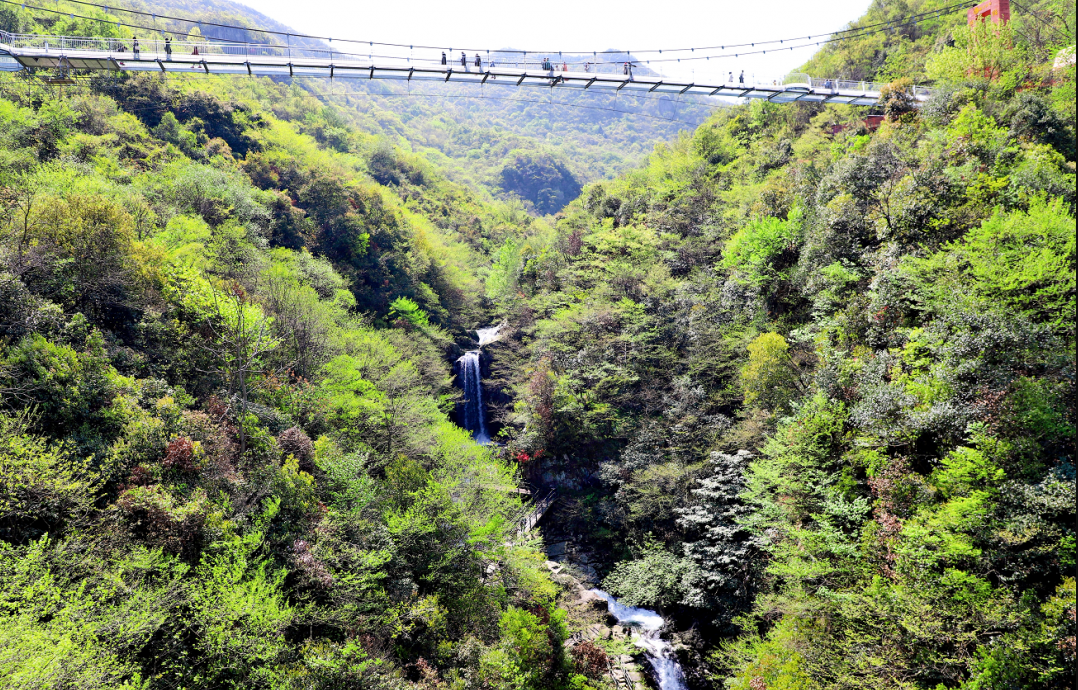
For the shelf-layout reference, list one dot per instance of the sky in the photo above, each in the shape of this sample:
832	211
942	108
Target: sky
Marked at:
564	25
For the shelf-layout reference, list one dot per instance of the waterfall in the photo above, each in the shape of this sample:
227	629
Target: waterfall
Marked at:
488	335
475	413
660	655
471	376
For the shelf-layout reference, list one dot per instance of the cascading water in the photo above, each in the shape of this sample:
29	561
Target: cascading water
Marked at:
475	412
660	655
488	335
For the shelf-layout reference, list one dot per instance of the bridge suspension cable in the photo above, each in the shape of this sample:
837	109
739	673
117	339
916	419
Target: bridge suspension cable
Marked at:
826	37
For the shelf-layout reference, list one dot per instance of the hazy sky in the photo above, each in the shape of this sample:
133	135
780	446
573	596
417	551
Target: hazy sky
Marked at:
580	26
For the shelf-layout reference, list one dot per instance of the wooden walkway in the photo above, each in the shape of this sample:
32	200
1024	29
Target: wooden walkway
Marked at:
538	509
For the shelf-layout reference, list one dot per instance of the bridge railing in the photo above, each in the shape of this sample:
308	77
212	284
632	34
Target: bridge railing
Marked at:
863	86
152	47
532	517
156	45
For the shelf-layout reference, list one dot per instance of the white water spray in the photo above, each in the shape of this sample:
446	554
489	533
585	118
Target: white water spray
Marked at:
471	373
488	335
475	412
659	653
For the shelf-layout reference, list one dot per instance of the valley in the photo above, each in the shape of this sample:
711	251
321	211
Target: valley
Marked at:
325	384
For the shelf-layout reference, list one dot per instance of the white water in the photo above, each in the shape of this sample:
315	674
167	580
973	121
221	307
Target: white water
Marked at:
471	374
487	335
475	412
660	655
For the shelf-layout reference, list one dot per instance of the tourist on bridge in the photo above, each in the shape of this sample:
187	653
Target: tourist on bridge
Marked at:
135	48
443	57
741	77
168	48
195	51
478	62
587	66
564	67
730	78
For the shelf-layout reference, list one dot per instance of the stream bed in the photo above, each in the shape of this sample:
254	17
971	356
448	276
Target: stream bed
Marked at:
658	651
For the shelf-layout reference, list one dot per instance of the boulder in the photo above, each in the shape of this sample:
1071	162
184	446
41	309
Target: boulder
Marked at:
557	549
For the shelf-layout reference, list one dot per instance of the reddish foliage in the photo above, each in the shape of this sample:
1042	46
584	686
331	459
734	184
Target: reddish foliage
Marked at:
428	678
757	683
590	659
994	404
140	476
896	488
180	455
216	407
523	457
576	242
1068	645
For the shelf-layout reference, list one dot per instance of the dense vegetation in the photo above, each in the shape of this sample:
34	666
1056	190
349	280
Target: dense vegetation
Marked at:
471	135
815	381
819	380
225	459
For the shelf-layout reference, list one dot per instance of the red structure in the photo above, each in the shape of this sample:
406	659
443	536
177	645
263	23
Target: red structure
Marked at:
999	11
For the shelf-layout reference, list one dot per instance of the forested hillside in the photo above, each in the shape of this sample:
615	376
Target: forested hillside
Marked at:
817	381
225	459
471	135
805	385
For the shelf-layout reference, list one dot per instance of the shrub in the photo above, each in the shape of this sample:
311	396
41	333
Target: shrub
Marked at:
296	443
42	484
155	517
590	659
761	251
181	455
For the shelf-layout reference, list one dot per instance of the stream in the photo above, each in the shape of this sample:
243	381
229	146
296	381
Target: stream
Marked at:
658	651
660	654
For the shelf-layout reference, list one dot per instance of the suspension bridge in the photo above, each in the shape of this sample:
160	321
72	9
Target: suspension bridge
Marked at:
69	55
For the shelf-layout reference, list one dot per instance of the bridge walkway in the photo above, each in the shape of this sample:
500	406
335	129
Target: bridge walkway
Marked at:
64	53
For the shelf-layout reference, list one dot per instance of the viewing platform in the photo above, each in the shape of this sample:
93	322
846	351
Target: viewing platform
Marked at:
69	53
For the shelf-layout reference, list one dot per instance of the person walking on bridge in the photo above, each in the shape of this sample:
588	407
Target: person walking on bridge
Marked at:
168	48
135	48
443	57
478	62
463	60
741	77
